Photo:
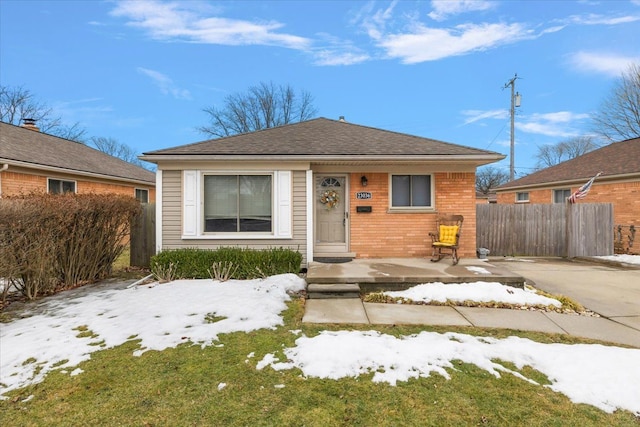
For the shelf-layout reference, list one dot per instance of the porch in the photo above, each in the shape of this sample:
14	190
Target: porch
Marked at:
374	274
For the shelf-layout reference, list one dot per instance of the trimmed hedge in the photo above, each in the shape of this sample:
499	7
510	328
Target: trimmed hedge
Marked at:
50	242
193	263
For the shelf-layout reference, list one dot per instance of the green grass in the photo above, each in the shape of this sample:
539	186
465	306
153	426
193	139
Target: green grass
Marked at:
179	387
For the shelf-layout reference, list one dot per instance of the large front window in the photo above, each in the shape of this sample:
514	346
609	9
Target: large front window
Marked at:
238	203
411	191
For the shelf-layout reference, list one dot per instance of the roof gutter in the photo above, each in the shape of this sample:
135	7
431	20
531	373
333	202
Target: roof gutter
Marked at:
2	169
324	158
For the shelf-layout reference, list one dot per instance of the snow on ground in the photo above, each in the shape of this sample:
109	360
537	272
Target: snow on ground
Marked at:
605	377
477	291
627	259
160	316
163	316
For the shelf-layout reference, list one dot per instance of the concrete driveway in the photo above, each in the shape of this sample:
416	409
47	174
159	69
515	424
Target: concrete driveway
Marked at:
609	290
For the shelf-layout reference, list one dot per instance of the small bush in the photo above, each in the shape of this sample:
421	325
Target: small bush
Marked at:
192	263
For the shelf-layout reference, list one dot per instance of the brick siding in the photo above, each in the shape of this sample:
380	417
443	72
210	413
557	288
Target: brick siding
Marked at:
382	233
15	183
625	197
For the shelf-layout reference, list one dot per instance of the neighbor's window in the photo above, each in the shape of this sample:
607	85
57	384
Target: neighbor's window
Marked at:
58	186
522	196
142	195
238	203
411	191
561	196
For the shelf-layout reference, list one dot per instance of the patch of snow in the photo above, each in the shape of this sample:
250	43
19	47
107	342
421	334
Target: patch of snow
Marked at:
602	376
623	258
478	270
159	316
477	291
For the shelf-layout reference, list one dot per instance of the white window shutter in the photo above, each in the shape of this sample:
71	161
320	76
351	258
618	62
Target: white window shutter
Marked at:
190	208
284	204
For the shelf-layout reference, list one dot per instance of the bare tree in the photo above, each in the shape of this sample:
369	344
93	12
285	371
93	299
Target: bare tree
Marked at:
552	154
618	117
18	103
488	178
117	149
263	106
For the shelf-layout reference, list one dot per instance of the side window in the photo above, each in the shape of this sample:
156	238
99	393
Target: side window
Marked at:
142	195
58	186
411	191
522	197
561	196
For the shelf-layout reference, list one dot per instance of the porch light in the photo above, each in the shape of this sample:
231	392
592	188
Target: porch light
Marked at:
364	181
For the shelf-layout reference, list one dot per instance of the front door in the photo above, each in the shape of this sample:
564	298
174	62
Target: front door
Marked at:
331	214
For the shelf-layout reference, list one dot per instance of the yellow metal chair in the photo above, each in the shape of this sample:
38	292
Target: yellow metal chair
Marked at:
446	237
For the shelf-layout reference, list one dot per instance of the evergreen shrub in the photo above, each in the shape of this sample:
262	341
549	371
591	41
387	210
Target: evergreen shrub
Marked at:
194	263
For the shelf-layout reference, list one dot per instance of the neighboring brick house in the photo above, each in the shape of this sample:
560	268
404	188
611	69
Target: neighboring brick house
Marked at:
619	183
323	187
32	161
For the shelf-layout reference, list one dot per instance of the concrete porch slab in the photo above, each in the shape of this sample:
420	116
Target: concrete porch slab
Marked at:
347	310
402	273
520	320
404	314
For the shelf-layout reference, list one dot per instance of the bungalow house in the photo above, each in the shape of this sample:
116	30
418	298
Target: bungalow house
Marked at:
32	161
323	187
618	184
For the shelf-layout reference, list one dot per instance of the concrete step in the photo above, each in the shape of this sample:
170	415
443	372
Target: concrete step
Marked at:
333	290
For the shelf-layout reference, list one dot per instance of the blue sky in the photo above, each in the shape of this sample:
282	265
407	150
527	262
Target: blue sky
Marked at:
142	71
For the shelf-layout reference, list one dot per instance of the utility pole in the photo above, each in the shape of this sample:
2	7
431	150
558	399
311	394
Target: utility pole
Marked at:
515	102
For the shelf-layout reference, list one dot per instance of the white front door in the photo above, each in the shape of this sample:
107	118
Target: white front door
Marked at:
331	214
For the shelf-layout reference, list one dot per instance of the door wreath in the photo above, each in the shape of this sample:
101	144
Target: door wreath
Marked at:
330	199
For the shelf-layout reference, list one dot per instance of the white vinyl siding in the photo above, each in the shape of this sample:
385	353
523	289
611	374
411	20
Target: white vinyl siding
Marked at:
172	211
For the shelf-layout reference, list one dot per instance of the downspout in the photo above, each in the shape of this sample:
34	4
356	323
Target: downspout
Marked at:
2	169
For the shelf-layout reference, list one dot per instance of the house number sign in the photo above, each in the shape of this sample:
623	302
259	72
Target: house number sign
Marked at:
363	195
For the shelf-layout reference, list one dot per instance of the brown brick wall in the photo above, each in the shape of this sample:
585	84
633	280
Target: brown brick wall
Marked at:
398	234
16	183
625	197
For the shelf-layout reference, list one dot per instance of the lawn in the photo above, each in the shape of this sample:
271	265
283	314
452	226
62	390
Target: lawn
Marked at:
219	385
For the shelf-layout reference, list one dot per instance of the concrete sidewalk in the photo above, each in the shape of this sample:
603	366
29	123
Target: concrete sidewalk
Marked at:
354	311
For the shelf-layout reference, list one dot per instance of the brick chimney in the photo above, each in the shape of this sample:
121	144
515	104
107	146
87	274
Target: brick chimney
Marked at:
30	124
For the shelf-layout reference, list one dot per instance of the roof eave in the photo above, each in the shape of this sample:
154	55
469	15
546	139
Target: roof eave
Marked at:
565	182
466	158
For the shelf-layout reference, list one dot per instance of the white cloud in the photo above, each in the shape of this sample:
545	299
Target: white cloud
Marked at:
442	9
190	22
477	115
563	124
595	19
335	57
603	63
430	44
165	84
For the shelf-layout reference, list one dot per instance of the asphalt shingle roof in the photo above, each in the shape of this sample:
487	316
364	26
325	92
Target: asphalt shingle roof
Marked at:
618	158
40	149
323	137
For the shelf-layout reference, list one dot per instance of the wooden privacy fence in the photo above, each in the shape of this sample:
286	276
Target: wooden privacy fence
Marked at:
143	237
558	229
